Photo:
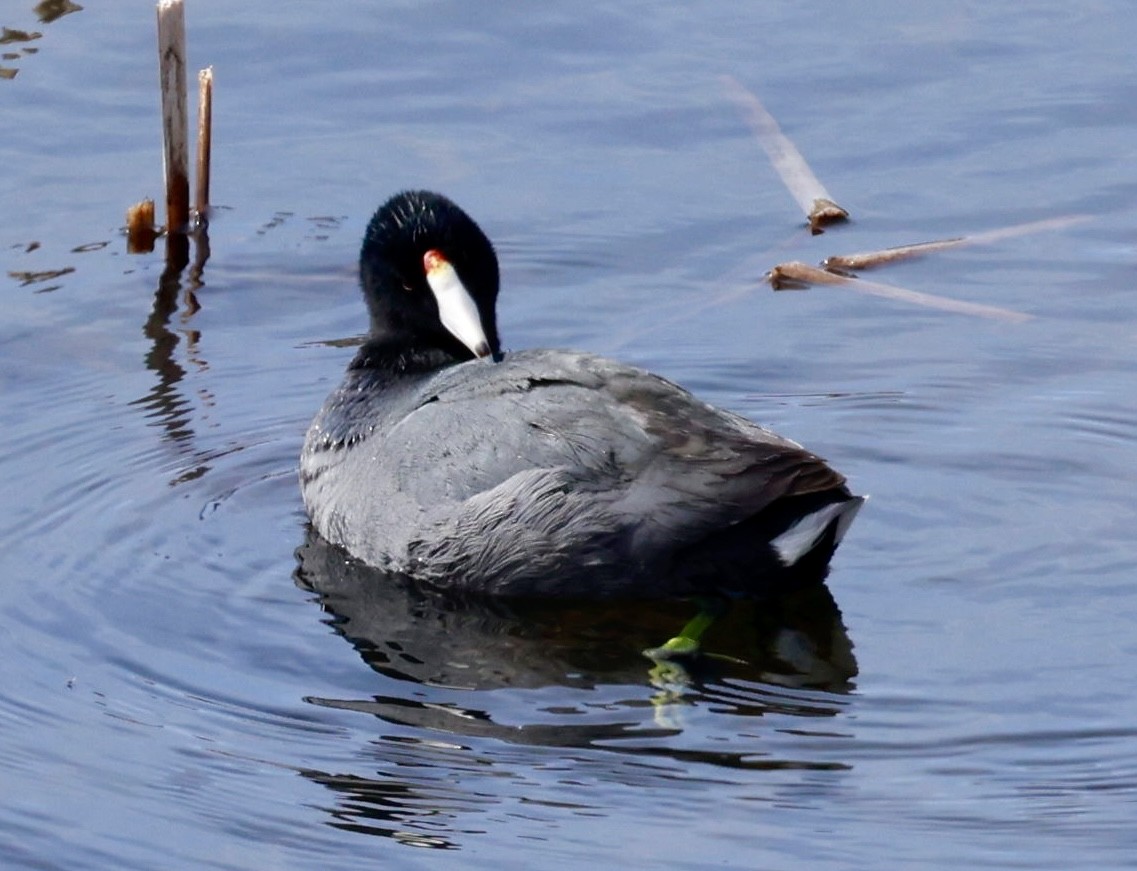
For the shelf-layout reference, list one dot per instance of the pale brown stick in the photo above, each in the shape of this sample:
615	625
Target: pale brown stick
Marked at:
797	275
204	141
1059	223
869	259
172	75
796	175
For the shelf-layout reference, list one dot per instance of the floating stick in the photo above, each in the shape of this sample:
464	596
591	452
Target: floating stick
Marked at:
204	142
27	278
52	10
172	74
798	178
846	263
797	275
990	236
869	259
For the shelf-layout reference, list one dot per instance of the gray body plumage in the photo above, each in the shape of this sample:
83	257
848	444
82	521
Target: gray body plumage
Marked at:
555	473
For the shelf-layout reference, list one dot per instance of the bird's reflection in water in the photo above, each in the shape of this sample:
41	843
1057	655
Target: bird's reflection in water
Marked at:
411	634
472	691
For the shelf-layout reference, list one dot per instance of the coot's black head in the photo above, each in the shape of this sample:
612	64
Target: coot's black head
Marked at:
430	278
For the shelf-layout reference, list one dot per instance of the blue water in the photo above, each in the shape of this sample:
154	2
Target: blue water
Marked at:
182	689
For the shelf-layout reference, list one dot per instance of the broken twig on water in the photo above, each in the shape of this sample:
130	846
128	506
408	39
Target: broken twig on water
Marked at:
844	263
795	275
803	185
849	263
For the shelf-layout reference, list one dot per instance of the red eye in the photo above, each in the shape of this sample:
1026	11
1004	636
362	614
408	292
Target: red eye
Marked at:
434	259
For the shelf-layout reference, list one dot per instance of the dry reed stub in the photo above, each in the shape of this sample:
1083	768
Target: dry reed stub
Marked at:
172	77
140	232
204	144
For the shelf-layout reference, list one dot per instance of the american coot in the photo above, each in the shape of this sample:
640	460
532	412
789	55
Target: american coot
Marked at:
542	473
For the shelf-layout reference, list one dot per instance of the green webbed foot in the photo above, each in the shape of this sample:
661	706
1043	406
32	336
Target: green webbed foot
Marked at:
686	646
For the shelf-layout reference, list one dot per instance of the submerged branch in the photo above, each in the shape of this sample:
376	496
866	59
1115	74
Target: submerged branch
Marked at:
797	275
803	185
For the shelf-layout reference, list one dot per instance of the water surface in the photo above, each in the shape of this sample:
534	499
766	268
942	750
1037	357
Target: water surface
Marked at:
190	682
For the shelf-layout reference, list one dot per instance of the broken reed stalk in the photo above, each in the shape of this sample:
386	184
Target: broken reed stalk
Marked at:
172	75
204	143
797	275
796	175
1045	224
140	232
870	259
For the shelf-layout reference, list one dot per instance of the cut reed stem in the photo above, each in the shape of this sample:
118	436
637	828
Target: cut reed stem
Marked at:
204	142
172	76
796	275
811	195
140	232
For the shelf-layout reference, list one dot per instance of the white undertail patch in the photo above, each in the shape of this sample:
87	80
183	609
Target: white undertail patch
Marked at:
804	533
